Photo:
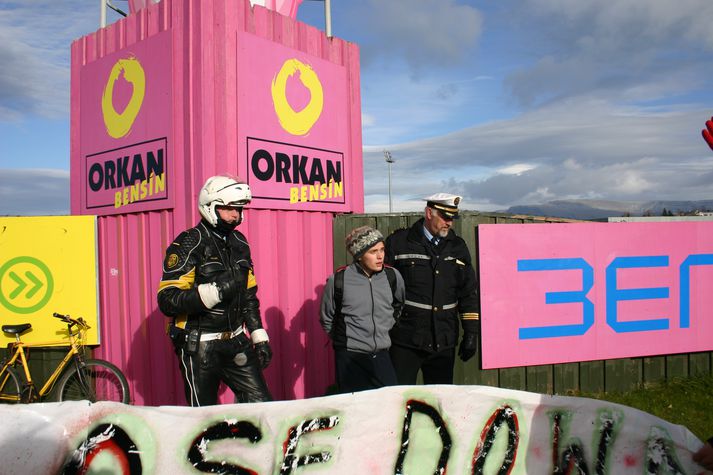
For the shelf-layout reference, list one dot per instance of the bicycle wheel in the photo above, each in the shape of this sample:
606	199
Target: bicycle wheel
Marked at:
10	386
95	380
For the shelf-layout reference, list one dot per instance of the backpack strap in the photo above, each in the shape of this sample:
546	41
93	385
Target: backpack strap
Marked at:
391	275
338	289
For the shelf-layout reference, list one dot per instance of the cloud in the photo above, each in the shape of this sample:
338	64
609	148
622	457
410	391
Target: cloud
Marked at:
642	21
35	39
367	120
628	50
417	110
609	98
423	33
516	169
34	192
575	149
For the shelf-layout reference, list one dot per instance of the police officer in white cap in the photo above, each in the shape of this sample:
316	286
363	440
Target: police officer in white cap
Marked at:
441	291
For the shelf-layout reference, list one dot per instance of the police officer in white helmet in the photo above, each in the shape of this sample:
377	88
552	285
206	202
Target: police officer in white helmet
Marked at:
209	290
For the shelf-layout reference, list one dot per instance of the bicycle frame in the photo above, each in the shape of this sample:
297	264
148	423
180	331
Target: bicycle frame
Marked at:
73	353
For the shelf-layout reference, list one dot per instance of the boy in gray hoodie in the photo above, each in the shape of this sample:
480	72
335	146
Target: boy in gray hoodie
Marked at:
358	309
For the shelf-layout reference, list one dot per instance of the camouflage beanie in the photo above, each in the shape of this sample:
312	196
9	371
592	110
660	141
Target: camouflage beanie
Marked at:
361	240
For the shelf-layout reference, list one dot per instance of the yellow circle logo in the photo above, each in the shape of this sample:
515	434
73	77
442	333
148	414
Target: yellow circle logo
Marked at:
118	125
172	261
297	123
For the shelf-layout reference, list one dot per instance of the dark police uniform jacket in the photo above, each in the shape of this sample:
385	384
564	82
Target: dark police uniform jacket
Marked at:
198	256
440	286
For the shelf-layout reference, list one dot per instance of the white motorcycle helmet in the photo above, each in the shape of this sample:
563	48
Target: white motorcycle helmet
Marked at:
222	190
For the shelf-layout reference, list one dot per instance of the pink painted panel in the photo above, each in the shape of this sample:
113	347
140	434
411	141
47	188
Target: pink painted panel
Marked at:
291	106
558	293
284	7
289	288
125	144
292	250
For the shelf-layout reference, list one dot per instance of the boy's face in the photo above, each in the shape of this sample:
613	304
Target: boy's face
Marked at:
373	260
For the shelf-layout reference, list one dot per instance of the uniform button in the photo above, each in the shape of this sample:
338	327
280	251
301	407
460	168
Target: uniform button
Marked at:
437	272
435	309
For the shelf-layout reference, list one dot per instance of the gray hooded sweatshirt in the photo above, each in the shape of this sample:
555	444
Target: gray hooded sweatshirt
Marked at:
367	310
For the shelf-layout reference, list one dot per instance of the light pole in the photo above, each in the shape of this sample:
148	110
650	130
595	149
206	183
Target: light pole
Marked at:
102	12
328	18
389	161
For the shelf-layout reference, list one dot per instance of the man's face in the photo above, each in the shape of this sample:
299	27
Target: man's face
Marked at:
229	214
437	224
373	260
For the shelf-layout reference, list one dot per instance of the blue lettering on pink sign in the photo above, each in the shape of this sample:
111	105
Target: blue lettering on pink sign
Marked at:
685	282
574	296
614	294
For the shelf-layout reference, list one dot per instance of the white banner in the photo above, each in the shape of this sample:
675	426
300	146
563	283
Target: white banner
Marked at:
398	430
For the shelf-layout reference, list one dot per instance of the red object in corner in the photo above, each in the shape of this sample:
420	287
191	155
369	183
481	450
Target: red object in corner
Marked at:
708	133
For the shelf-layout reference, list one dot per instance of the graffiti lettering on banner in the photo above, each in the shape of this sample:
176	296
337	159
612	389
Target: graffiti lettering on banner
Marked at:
448	429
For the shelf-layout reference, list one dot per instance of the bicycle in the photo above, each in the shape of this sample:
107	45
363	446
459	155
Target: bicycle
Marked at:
86	379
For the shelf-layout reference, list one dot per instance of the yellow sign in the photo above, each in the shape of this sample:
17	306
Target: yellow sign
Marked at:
48	264
118	125
294	122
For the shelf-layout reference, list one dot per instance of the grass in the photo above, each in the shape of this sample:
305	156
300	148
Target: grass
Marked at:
688	402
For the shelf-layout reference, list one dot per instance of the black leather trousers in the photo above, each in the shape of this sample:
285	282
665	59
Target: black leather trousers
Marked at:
233	362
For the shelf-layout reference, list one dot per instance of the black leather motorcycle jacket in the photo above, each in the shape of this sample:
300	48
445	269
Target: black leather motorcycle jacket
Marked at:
198	256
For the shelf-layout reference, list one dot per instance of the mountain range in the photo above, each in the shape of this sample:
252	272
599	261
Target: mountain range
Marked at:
602	209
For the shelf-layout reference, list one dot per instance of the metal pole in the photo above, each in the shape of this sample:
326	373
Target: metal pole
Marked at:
390	207
102	14
389	161
328	17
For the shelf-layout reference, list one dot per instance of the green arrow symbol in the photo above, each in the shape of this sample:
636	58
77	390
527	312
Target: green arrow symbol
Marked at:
33	279
21	284
37	284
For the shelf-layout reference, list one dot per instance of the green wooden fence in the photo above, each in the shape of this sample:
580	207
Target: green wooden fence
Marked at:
591	376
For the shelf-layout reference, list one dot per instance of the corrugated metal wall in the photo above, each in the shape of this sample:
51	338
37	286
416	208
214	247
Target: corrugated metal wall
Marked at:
291	249
590	376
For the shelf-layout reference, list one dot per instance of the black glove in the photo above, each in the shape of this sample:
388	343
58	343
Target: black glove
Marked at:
468	346
227	286
264	353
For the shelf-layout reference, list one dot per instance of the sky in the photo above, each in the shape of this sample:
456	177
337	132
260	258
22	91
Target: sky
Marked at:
502	102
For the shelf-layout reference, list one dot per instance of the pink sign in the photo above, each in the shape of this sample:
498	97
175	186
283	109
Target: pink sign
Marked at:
559	293
284	7
136	5
125	129
293	116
